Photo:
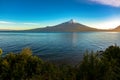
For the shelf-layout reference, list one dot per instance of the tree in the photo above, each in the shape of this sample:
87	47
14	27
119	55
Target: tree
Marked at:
111	58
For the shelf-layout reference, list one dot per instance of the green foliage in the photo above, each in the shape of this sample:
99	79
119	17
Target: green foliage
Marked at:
94	66
20	66
112	52
91	68
1	51
111	57
26	52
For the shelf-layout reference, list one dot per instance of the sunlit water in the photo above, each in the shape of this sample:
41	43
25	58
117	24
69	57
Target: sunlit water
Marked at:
58	47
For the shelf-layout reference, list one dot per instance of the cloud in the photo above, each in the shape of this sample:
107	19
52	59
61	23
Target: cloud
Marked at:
25	23
114	3
6	22
18	25
31	23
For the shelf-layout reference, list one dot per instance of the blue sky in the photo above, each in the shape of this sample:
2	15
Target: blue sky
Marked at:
27	14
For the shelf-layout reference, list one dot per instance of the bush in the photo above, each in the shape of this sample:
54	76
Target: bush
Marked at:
91	68
1	51
94	66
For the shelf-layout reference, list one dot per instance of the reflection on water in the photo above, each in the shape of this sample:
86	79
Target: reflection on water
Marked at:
67	47
74	39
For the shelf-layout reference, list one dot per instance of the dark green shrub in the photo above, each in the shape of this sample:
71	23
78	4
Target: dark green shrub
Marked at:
94	66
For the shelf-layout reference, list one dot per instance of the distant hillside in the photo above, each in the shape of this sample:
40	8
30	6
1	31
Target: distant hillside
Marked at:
70	26
117	29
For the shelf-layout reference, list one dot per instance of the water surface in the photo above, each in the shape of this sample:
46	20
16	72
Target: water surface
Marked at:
61	47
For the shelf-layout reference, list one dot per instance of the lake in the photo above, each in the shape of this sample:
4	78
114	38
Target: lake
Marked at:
58	47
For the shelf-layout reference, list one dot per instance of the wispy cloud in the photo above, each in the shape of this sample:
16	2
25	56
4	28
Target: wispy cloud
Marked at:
18	25
6	22
25	23
114	3
31	23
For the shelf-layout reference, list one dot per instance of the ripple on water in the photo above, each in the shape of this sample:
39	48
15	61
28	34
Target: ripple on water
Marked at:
68	47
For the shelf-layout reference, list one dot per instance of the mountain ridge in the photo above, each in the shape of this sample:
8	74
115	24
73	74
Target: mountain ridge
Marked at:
117	29
69	26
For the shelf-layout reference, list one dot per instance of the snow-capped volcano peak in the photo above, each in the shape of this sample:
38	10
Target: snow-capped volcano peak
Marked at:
72	21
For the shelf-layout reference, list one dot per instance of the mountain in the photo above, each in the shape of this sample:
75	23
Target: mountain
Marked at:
69	26
117	29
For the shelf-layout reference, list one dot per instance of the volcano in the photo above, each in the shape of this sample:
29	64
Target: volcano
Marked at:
69	26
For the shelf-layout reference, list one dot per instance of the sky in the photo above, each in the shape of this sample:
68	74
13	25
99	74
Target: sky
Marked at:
29	14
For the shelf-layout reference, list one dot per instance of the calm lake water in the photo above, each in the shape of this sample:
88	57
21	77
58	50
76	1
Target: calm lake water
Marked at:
58	47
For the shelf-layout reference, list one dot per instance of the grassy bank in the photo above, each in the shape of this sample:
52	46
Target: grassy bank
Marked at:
94	66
